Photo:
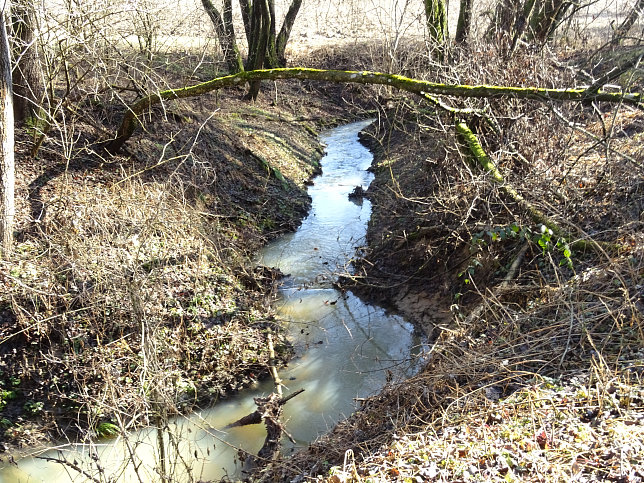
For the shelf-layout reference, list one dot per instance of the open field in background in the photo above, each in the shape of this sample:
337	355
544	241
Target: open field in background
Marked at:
184	27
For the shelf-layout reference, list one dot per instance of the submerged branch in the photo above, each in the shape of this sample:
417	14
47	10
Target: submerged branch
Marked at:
256	416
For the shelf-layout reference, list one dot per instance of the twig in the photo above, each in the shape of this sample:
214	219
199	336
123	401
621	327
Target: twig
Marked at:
273	369
72	465
595	137
256	416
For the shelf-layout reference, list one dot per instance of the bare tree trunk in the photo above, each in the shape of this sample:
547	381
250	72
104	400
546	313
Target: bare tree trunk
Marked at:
27	80
628	22
436	18
260	30
246	11
276	47
226	34
7	166
260	22
271	54
285	31
464	22
546	17
520	24
503	22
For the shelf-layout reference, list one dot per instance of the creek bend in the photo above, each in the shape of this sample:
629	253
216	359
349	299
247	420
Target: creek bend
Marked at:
345	349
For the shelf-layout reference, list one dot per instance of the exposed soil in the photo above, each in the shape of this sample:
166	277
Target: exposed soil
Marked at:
535	367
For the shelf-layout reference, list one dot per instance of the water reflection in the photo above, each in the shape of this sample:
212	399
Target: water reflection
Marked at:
344	347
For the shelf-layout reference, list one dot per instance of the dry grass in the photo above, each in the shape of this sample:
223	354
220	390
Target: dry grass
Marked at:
125	290
541	393
536	375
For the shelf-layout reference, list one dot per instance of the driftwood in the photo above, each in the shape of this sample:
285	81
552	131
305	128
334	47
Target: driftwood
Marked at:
256	416
269	410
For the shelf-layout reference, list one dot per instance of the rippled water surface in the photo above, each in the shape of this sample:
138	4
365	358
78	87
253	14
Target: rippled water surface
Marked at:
345	348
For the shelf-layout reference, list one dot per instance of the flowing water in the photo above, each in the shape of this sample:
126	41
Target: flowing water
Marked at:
345	348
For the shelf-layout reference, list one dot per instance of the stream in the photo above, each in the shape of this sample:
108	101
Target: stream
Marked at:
345	349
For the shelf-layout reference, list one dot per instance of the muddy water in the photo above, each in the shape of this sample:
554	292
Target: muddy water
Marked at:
345	349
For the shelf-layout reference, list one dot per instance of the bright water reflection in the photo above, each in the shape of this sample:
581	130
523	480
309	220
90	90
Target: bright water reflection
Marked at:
345	348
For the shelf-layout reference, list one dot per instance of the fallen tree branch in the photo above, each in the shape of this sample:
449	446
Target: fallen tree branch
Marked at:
269	411
480	156
256	416
130	121
272	367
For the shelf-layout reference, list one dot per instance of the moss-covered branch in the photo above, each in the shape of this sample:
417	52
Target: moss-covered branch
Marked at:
479	155
129	122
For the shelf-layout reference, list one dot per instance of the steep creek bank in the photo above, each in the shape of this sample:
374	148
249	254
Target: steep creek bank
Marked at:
345	349
131	277
407	263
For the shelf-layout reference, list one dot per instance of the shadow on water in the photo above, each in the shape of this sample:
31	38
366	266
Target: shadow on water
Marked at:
345	348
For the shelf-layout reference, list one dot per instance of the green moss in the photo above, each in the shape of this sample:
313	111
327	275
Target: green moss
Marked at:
107	430
130	119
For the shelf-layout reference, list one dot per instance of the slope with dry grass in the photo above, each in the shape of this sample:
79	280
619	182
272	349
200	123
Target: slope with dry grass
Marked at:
535	368
132	292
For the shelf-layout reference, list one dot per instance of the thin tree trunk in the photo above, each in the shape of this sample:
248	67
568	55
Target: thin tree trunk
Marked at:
7	166
271	53
285	31
226	34
256	22
464	22
260	29
501	27
229	26
27	80
628	22
246	10
521	24
546	17
436	18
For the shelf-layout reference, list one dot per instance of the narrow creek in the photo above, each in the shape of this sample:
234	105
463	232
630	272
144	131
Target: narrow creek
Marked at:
345	349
